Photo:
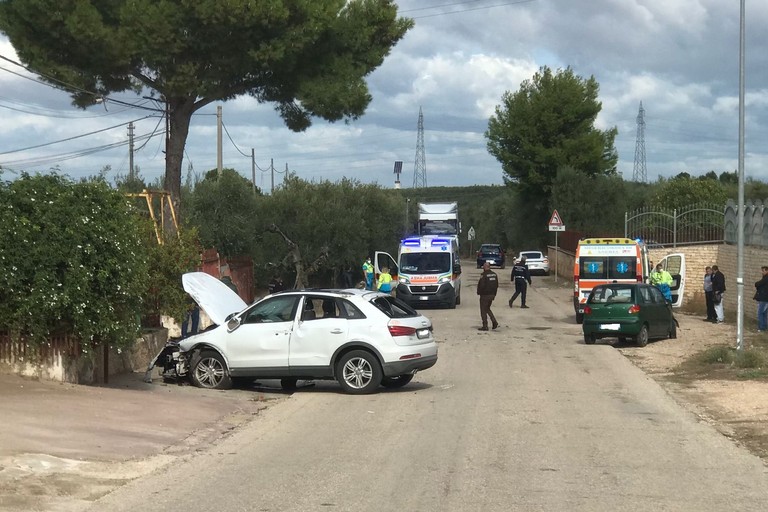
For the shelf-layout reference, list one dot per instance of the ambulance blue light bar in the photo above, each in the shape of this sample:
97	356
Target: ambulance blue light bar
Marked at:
411	242
440	241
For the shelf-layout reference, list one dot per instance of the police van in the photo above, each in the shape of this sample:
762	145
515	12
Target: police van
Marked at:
427	271
606	260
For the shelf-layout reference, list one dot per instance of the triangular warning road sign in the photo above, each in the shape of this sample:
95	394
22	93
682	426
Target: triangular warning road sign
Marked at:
555	220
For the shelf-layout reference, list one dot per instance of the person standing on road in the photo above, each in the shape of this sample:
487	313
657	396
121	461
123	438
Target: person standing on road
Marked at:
718	290
368	273
708	294
522	278
347	277
761	296
487	287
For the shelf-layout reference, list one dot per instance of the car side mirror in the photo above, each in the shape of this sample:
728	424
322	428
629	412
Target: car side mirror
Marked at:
233	322
457	269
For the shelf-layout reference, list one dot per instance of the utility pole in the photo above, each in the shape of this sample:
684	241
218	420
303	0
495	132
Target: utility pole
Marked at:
130	151
253	169
272	168
219	157
285	178
740	217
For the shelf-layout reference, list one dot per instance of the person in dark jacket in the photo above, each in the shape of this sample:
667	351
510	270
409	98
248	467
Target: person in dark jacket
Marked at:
708	294
275	285
487	287
522	278
718	290
761	296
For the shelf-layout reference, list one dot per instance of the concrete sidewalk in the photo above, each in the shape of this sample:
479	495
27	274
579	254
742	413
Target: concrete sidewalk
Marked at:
127	419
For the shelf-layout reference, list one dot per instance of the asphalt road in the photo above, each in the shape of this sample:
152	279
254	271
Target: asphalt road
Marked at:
523	418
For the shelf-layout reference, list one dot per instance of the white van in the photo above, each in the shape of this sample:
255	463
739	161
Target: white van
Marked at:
428	271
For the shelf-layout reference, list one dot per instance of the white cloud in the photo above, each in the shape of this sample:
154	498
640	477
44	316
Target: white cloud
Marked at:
680	58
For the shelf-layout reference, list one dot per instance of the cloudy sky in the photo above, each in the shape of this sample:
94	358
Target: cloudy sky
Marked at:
679	57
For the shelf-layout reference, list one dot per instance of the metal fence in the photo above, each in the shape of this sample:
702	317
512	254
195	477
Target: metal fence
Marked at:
698	223
755	223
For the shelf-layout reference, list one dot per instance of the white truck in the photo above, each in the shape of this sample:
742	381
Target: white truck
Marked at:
439	219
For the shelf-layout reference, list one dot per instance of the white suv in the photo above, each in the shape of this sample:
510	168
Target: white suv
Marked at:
537	262
362	339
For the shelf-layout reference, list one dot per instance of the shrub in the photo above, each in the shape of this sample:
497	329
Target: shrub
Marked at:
721	354
73	257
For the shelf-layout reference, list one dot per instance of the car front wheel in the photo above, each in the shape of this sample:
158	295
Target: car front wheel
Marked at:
396	382
210	371
641	339
358	372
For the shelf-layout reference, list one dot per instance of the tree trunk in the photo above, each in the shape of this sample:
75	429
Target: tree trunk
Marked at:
178	116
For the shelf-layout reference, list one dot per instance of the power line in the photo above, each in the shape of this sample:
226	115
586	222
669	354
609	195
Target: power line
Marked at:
232	141
70	155
71	138
461	10
55	113
67	87
152	134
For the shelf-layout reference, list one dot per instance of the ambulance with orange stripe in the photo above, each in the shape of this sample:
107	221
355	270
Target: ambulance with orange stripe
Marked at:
428	270
607	260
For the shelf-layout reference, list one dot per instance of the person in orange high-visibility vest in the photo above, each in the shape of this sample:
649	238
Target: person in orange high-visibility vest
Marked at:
385	281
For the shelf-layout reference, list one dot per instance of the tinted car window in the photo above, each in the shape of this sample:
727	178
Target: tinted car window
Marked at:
658	298
350	311
592	268
612	295
275	309
490	249
394	307
622	267
645	293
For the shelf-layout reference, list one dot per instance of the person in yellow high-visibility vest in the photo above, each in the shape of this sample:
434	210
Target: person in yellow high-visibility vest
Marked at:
385	281
368	273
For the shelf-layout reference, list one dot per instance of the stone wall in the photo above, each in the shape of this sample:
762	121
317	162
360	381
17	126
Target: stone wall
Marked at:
63	360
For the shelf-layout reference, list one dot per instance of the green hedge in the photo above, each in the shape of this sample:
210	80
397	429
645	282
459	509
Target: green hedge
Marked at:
73	258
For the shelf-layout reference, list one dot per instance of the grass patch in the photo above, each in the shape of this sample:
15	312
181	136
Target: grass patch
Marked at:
725	362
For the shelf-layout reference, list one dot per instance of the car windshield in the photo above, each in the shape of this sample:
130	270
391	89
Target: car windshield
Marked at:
531	255
425	262
394	307
438	227
612	295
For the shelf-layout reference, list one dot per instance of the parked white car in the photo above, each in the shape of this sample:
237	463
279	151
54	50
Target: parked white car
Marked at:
362	339
537	262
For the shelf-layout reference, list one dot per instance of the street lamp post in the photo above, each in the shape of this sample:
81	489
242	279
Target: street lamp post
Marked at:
740	228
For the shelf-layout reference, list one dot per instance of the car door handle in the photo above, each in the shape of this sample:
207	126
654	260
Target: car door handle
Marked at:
337	331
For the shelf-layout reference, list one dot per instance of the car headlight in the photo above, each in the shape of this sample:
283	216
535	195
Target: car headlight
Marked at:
404	280
446	279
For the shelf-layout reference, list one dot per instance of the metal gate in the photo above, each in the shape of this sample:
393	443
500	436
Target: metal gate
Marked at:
659	227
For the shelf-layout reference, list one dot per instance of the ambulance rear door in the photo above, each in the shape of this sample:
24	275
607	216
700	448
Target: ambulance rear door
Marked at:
675	265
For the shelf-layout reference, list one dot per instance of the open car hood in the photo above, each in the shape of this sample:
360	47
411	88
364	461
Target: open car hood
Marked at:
214	297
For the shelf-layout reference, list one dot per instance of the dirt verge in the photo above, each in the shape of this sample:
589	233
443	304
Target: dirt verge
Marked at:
718	394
